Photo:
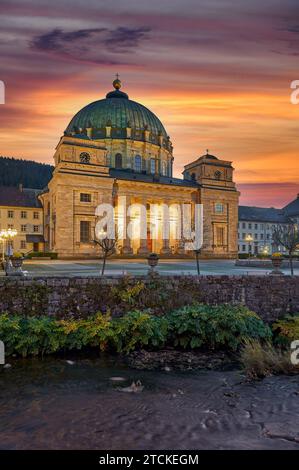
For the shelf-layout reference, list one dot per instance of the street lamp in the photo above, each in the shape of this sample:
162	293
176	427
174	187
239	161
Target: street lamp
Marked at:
249	239
7	236
2	240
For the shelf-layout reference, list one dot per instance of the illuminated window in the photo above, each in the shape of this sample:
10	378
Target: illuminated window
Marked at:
219	208
84	231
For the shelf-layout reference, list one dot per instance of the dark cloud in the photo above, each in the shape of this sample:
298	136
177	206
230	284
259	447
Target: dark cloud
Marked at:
93	45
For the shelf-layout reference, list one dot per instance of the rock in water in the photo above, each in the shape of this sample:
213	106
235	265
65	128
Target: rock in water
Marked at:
133	388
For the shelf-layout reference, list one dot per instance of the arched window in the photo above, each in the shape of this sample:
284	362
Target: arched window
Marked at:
137	163
152	166
108	159
164	169
118	161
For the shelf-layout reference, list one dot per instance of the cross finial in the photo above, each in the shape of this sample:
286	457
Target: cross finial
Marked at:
117	76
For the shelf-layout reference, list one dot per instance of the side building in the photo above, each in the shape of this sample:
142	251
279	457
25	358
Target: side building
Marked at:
256	226
21	210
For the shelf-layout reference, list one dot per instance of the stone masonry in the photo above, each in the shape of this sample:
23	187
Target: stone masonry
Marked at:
271	297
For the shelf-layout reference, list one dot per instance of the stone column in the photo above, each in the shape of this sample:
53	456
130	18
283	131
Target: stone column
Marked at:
165	250
127	248
143	248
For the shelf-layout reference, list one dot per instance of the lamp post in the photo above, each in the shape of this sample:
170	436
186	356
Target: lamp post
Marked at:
2	240
7	236
249	239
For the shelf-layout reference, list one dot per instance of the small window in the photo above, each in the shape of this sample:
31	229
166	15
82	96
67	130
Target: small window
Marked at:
164	169
10	226
243	225
23	215
36	215
23	228
152	166
243	247
255	226
85	197
36	228
84	231
249	226
137	163
23	245
219	209
10	214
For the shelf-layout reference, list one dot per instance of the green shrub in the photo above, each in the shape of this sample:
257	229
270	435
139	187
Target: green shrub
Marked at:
243	255
41	254
215	327
197	326
137	329
286	330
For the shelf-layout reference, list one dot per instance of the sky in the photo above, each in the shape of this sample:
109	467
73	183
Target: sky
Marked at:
216	72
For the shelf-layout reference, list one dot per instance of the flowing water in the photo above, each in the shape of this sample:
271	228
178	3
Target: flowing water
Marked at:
53	404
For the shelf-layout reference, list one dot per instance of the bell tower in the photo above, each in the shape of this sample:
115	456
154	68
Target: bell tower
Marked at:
220	199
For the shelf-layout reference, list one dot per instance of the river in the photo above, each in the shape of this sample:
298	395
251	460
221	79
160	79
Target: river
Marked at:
53	404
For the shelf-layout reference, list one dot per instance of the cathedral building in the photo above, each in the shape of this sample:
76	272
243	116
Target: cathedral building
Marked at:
116	147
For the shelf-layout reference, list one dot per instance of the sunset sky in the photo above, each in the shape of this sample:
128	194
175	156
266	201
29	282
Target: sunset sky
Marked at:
216	72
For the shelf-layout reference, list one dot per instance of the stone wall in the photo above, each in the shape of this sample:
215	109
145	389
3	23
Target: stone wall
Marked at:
269	296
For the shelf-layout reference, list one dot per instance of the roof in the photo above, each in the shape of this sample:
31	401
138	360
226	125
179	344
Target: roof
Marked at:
19	197
262	214
117	111
147	178
292	208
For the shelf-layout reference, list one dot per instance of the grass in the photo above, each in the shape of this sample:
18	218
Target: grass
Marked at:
263	360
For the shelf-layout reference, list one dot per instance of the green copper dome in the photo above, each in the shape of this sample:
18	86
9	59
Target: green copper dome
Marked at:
118	112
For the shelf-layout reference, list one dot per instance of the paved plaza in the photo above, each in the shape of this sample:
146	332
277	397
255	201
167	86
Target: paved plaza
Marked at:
137	266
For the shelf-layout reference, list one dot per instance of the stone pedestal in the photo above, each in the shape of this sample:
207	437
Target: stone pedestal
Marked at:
165	250
143	249
127	249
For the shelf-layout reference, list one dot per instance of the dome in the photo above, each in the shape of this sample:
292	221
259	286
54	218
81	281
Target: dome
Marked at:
118	112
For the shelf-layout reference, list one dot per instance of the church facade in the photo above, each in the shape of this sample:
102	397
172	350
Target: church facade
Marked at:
116	149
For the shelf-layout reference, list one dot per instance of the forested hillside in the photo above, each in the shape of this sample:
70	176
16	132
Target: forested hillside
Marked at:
26	172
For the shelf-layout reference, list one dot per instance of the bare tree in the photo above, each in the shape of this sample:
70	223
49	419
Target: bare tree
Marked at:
108	247
288	237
